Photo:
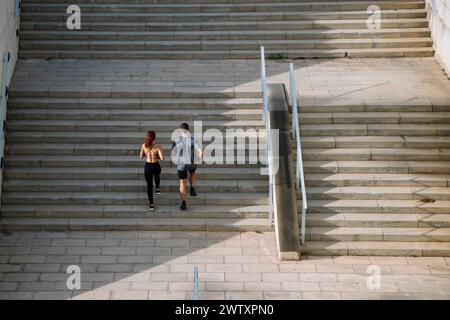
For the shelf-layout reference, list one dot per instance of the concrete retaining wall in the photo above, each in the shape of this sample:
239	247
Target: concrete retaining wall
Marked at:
8	26
9	41
285	197
439	18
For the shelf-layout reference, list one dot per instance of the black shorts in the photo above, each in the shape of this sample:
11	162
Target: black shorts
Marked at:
183	174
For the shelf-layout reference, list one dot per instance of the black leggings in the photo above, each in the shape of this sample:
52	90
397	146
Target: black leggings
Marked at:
152	170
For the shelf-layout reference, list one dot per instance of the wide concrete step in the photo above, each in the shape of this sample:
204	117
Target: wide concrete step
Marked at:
295	13
113	161
68	90
374	118
226	35
134	115
288	25
378	206
297	44
133	103
378	193
100	137
364	220
125	126
376	154
136	224
51	137
131	198
429	129
390	105
310	3
407	15
229	54
363	142
378	248
378	167
378	234
306	130
211	7
127	150
377	180
138	185
133	211
128	173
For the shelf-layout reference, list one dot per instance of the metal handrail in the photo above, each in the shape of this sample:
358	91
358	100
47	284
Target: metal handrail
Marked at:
300	175
266	119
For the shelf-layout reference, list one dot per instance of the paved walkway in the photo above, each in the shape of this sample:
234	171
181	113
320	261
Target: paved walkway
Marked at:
160	265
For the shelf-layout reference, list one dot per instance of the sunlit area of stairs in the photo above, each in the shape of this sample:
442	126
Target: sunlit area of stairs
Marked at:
378	170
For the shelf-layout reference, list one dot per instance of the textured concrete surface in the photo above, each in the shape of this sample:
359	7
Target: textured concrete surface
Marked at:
160	265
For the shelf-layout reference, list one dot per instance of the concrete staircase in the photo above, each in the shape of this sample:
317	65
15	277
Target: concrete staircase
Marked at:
72	152
378	175
378	178
222	29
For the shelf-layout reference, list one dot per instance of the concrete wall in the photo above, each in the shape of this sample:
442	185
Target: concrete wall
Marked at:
439	18
9	23
8	26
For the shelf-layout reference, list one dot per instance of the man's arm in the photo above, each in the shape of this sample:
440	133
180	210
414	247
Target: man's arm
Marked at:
199	150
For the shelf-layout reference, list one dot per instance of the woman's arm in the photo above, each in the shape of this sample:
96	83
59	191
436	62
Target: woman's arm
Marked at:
160	153
142	153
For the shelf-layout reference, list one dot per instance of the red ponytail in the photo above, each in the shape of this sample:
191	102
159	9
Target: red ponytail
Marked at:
151	135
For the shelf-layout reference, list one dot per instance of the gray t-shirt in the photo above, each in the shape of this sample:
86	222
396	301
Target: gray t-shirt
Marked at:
186	151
